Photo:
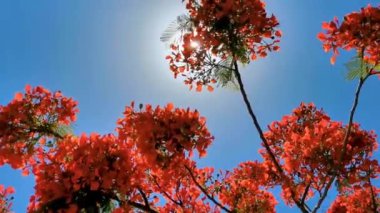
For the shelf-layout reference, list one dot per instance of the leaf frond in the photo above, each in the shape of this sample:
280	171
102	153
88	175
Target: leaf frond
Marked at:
357	68
63	130
182	24
225	76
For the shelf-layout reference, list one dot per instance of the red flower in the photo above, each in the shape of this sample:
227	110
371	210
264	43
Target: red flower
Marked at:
308	145
84	172
5	200
359	31
239	30
30	117
357	200
244	189
165	135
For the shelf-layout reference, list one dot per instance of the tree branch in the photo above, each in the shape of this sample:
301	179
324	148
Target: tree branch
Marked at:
205	191
179	203
356	101
305	194
373	196
345	141
141	207
44	130
261	134
146	201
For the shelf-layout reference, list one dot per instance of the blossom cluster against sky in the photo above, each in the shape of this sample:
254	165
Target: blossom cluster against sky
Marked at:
106	54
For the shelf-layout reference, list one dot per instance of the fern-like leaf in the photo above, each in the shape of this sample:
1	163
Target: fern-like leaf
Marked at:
181	25
63	130
224	74
357	68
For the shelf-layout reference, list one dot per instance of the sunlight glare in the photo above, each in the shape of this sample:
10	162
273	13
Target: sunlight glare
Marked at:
194	44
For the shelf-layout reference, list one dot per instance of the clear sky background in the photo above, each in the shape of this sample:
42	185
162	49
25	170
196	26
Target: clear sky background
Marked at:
107	53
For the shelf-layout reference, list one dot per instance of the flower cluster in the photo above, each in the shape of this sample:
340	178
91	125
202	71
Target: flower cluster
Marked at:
149	155
183	195
308	145
5	204
235	29
148	165
359	31
164	135
357	201
81	173
28	118
243	189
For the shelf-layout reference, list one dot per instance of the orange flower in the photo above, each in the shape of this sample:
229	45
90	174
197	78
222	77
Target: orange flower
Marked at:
358	30
5	199
356	201
84	172
243	190
27	119
308	144
222	29
164	135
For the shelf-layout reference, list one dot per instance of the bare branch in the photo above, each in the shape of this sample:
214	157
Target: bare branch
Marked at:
305	193
146	201
261	134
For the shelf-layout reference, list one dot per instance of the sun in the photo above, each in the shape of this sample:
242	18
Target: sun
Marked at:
194	44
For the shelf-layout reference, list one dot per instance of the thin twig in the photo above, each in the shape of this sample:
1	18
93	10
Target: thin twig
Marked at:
205	191
356	101
146	201
261	134
345	141
44	130
141	207
373	196
305	193
179	203
254	119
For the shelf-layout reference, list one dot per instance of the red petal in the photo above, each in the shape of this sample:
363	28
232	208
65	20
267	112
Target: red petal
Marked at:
18	96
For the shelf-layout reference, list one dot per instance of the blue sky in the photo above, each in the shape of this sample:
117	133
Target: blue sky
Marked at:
106	54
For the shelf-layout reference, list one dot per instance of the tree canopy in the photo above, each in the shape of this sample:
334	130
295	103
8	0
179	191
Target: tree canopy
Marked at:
149	163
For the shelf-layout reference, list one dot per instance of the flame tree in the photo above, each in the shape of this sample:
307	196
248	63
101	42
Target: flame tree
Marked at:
148	165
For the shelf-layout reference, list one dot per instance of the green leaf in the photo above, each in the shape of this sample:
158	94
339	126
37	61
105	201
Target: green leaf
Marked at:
225	76
181	25
357	68
377	68
63	130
